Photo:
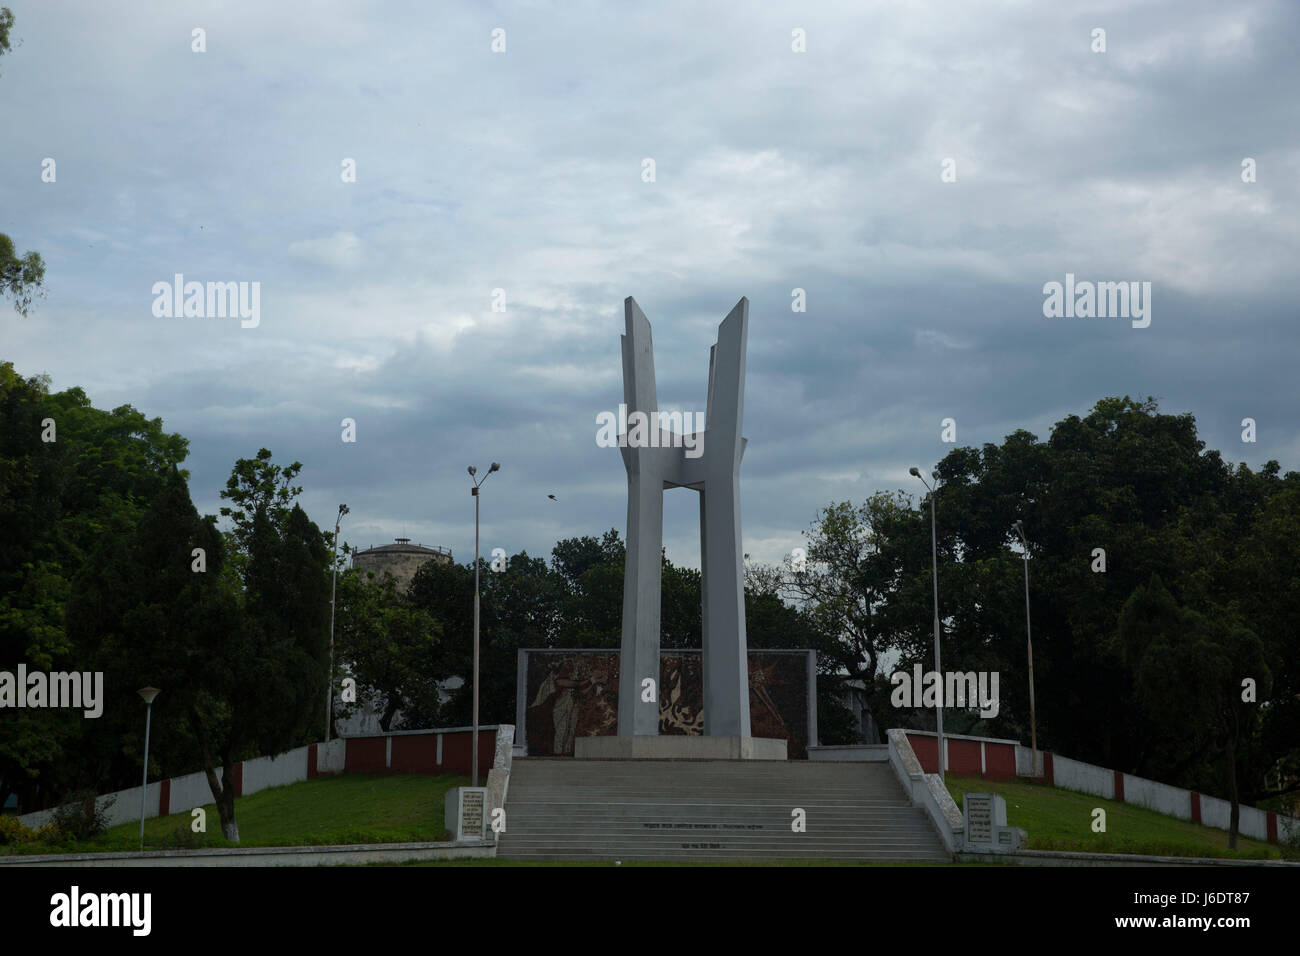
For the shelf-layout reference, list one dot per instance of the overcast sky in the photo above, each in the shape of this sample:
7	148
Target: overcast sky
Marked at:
774	170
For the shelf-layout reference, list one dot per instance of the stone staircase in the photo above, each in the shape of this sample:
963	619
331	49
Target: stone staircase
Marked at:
714	810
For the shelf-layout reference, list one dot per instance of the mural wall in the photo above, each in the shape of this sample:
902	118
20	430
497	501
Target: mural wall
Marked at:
574	693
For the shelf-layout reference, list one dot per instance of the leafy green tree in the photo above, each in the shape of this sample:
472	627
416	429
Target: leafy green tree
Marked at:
264	679
20	276
150	611
71	477
519	607
392	648
865	594
1190	672
591	570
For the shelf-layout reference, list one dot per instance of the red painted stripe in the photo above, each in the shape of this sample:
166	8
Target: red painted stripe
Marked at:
239	779
165	798
1049	771
1196	807
312	772
1119	785
1272	827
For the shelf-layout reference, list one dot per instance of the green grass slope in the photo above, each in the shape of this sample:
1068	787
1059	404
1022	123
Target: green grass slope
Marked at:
347	808
1062	820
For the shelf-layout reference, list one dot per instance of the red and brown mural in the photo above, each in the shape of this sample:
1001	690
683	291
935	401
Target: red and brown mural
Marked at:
572	694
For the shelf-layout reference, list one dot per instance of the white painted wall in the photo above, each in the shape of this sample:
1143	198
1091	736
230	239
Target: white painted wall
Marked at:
123	807
1173	801
331	757
190	791
1215	812
267	772
1253	823
1083	777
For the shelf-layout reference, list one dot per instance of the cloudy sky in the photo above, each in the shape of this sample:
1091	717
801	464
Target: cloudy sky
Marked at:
774	170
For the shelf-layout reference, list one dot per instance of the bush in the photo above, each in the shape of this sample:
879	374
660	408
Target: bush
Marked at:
12	832
83	817
183	838
1289	845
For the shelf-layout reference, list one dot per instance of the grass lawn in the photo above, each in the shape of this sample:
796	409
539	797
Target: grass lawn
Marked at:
402	808
348	808
1062	820
493	861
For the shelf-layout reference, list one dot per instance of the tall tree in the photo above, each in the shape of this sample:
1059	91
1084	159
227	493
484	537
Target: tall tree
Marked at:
263	681
392	647
20	276
71	476
152	607
1199	679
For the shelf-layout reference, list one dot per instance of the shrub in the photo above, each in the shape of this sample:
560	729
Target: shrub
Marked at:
12	832
49	833
183	838
1289	844
83	817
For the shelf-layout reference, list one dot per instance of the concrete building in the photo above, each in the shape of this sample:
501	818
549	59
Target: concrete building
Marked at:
401	559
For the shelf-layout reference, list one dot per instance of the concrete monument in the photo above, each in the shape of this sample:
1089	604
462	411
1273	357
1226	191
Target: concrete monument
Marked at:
709	463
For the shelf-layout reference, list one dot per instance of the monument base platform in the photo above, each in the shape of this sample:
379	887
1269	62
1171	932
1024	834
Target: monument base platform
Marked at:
678	747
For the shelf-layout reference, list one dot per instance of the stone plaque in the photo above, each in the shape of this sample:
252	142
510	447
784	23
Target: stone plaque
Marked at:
979	817
471	812
463	809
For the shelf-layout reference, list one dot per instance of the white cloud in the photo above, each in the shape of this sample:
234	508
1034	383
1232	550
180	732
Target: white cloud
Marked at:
341	251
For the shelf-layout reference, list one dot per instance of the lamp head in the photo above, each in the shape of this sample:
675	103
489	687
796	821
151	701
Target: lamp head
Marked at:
496	466
472	471
148	694
914	472
343	509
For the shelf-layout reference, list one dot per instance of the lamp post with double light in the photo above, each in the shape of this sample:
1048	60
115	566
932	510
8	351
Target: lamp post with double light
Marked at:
474	491
934	556
1029	646
334	584
147	694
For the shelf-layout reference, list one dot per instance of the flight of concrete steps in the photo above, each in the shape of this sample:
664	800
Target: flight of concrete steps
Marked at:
715	810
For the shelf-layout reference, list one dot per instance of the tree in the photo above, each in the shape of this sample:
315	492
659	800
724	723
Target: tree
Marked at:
519	607
263	679
147	615
1191	672
591	571
20	276
393	648
864	591
6	24
71	478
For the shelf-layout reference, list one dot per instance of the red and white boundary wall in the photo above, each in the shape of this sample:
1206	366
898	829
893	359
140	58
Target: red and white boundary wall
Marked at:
405	751
996	759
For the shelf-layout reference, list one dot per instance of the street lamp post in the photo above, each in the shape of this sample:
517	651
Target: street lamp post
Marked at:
148	694
474	737
334	584
1029	645
934	556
